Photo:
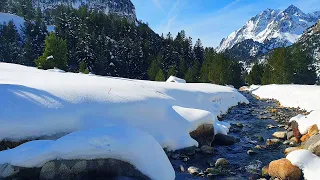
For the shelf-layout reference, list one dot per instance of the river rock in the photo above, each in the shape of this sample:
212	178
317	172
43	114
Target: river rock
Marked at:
207	149
271	142
204	134
313	130
290	149
290	135
221	162
6	171
265	171
193	170
226	140
280	135
284	169
48	171
295	129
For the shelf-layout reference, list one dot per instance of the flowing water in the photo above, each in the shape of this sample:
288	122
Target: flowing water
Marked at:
255	119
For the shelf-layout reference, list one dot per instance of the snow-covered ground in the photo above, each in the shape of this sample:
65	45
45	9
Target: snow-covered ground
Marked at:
36	103
127	144
306	97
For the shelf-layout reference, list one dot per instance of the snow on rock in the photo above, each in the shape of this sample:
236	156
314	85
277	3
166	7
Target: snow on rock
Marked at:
127	144
176	80
36	103
306	121
308	162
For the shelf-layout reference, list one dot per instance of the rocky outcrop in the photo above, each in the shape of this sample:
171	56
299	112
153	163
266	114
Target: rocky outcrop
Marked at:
74	169
284	169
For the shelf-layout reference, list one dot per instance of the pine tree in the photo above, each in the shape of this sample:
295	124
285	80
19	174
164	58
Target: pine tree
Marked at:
172	71
160	76
55	53
255	76
10	44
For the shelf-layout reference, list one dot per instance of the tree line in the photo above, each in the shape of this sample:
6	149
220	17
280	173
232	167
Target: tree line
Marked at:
85	40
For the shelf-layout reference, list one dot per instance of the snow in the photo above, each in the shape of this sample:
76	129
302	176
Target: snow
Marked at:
308	162
37	103
176	79
306	121
127	144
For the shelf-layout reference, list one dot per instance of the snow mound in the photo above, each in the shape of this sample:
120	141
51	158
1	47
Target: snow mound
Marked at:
36	103
308	162
126	144
176	80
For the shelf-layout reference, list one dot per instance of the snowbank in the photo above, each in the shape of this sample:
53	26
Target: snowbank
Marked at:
308	162
176	80
126	144
36	103
304	96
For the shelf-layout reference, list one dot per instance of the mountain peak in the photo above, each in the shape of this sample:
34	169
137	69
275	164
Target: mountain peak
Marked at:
292	9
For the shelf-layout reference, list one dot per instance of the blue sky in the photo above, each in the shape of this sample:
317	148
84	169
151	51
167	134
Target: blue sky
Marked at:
209	20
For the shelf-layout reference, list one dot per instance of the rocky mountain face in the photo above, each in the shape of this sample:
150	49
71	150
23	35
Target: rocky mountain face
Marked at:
270	29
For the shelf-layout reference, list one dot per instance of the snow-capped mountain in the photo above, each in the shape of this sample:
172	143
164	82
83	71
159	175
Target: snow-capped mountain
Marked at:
272	28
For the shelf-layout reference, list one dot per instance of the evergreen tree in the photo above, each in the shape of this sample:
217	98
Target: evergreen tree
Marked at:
172	71
160	76
55	53
10	44
304	71
255	76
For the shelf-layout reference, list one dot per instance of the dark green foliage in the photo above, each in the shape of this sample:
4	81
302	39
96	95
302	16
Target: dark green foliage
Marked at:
55	53
255	75
160	76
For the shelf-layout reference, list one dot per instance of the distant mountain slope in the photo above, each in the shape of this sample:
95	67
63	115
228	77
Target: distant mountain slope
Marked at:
123	8
272	29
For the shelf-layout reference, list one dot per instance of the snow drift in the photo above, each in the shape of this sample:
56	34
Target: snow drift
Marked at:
126	144
36	103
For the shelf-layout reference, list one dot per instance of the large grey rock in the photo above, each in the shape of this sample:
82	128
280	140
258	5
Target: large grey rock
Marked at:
280	135
290	135
48	171
204	134
6	171
315	148
312	140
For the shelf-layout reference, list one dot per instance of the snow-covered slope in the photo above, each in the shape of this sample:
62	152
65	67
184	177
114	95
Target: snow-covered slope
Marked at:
121	143
273	28
36	103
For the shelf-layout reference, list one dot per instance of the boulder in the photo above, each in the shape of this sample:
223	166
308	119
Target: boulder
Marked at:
204	134
6	171
295	129
313	130
312	140
225	140
207	149
48	171
315	148
280	135
284	169
305	137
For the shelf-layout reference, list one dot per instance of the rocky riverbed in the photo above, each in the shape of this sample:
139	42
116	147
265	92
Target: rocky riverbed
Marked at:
258	135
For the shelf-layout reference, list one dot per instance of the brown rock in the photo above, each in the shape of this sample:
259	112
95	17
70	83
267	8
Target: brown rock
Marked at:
283	169
204	134
273	142
305	137
295	129
294	139
313	130
280	135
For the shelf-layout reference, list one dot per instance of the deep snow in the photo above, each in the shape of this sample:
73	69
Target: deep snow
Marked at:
122	143
36	103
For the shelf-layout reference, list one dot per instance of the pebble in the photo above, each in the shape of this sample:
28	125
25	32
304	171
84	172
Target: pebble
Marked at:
193	170
221	162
